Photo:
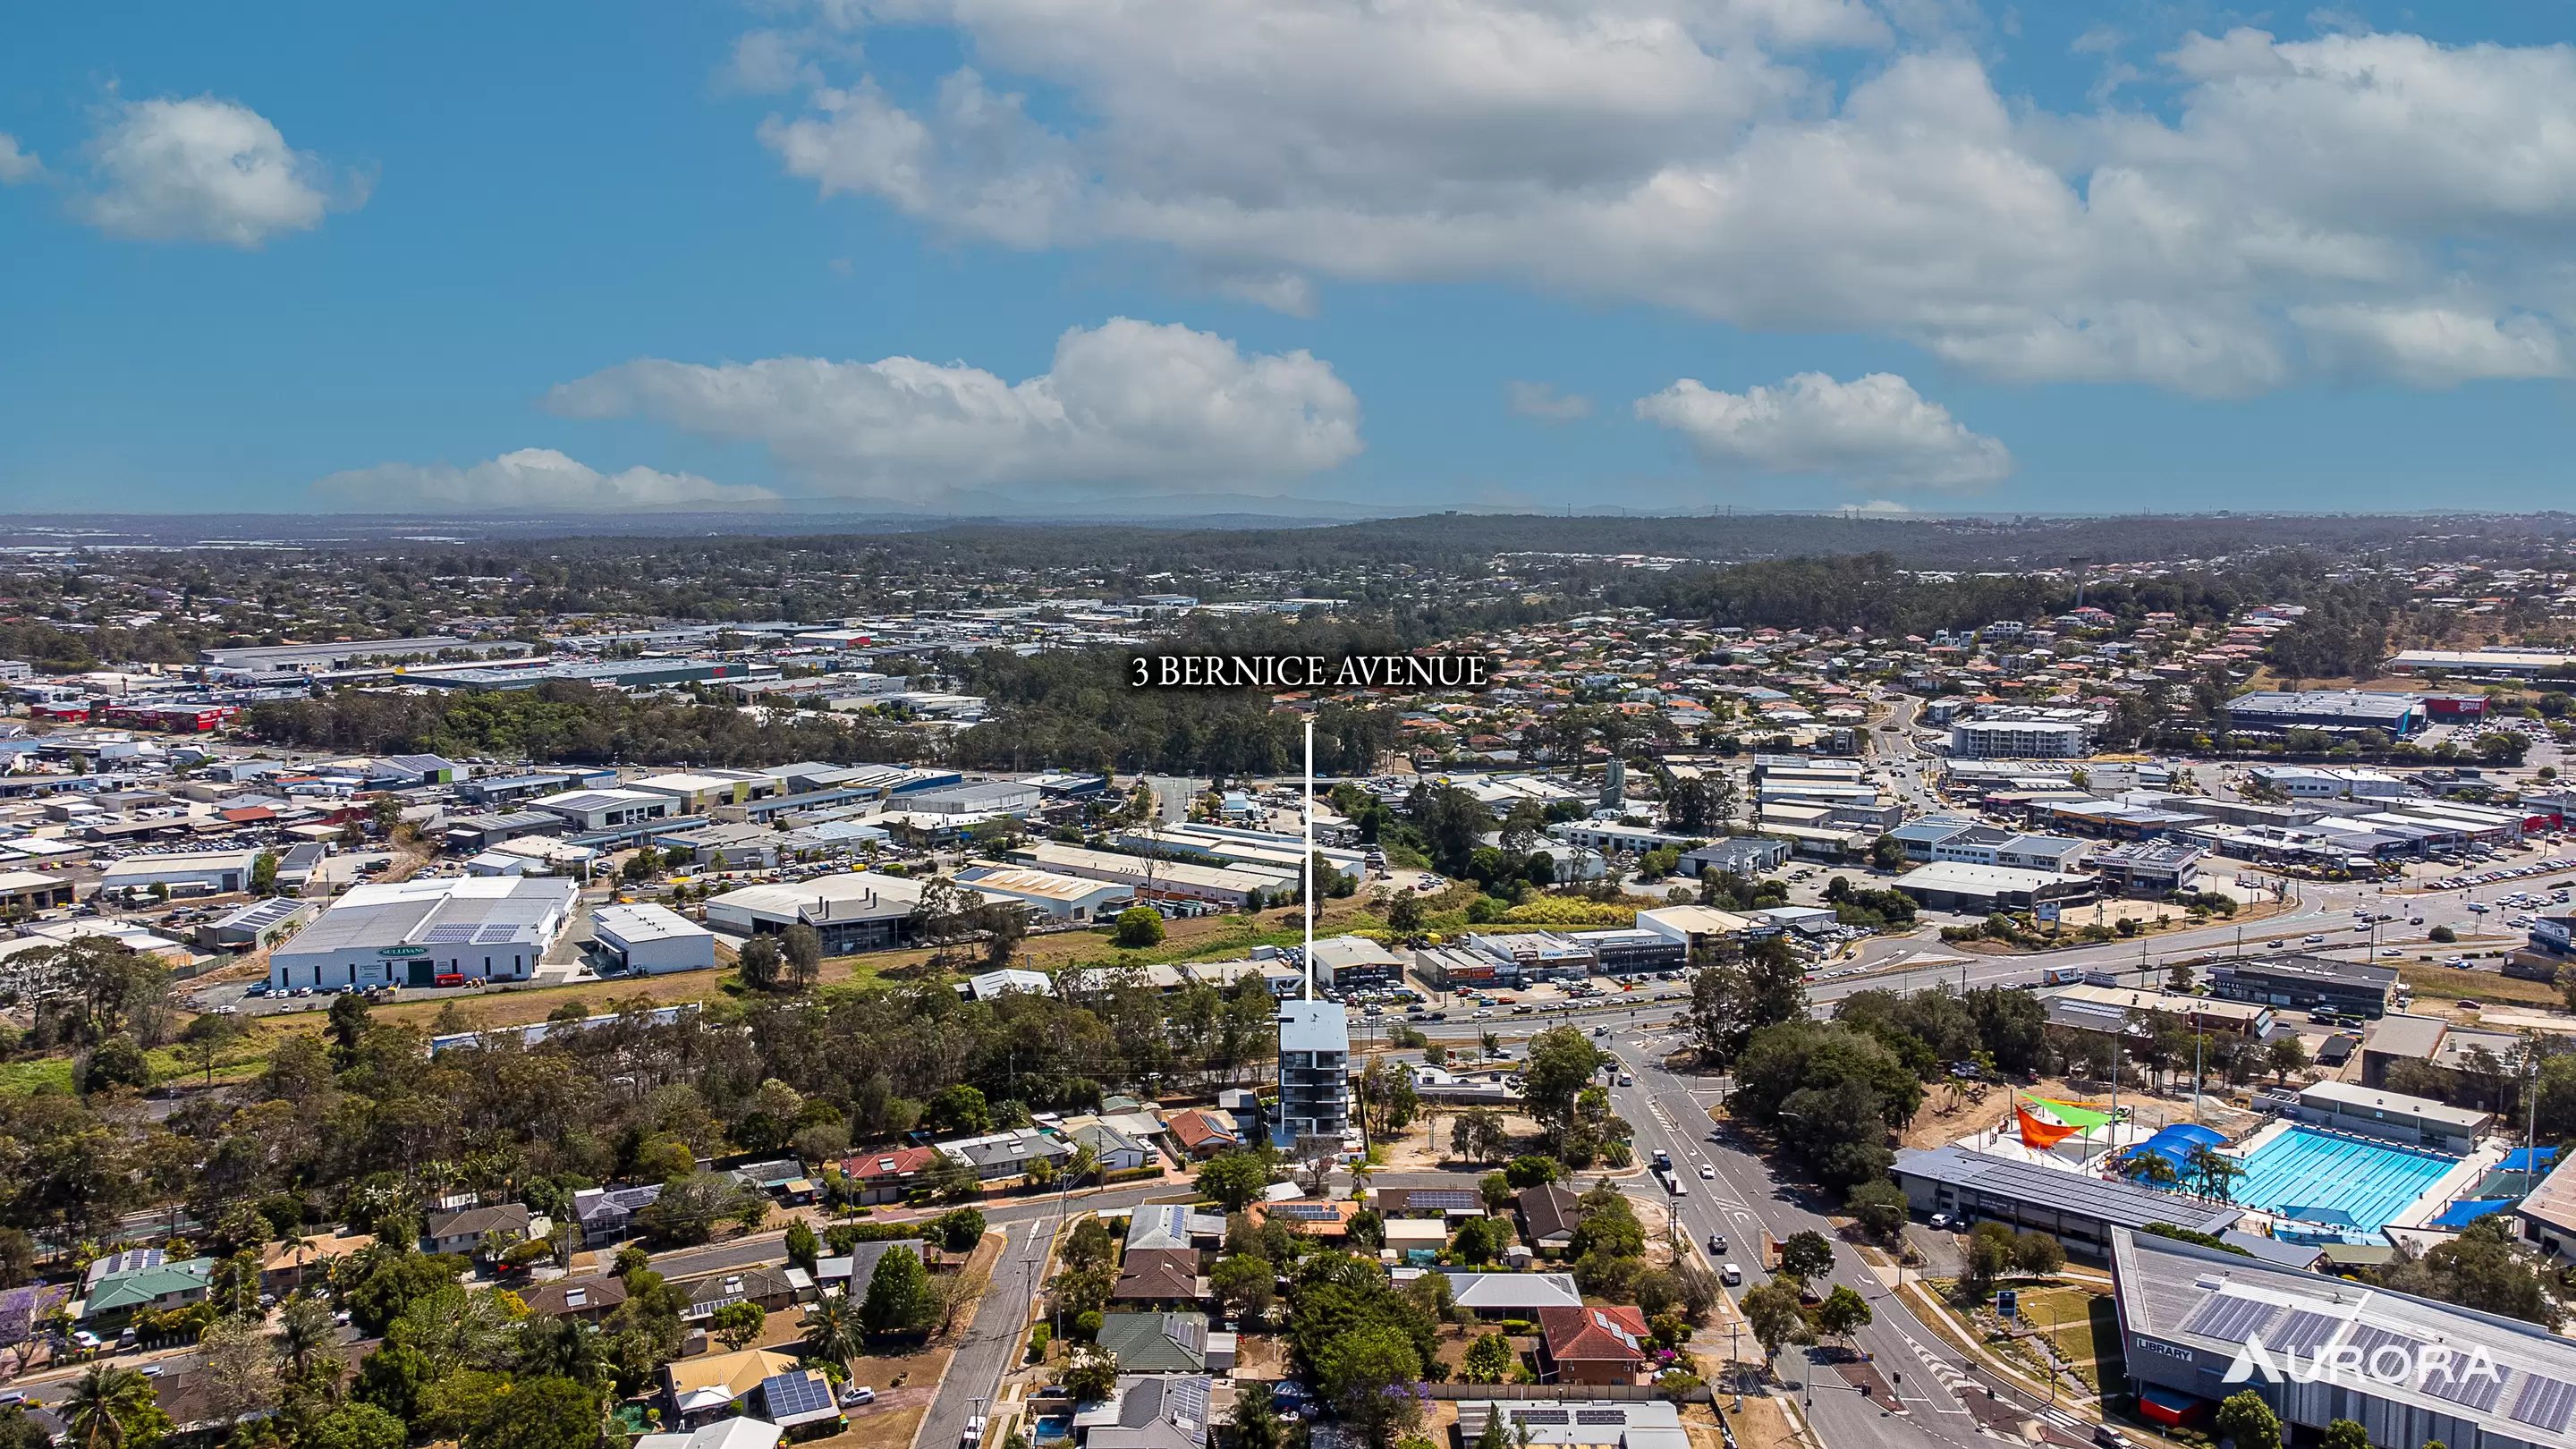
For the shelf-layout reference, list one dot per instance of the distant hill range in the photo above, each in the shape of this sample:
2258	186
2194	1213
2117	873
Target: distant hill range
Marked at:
1251	539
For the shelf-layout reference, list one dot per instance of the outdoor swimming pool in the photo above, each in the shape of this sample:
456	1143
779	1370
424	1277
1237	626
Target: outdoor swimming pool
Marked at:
2327	1177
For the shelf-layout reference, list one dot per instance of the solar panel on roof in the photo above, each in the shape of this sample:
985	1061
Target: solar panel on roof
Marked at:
791	1394
2230	1317
1546	1416
2474	1391
1446	1198
2544	1402
1601	1416
2370	1339
449	935
491	935
2306	1332
1305	1212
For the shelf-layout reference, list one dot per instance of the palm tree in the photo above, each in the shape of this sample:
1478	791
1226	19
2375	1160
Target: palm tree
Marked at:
2153	1169
106	1404
831	1328
304	1329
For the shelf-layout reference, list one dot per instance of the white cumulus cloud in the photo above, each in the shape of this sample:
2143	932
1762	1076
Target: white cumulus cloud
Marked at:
205	170
1146	406
1542	401
1873	429
17	165
2431	346
1696	154
537	478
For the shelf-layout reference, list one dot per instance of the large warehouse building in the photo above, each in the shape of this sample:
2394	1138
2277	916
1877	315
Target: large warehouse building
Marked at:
861	911
410	933
2408	1370
2081	1211
2394	715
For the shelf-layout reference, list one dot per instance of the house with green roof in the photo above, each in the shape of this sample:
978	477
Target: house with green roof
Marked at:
157	1288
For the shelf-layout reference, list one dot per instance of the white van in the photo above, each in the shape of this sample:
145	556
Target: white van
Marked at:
1731	1275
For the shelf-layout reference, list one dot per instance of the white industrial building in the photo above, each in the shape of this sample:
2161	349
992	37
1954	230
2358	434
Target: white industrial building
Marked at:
607	809
1064	897
212	872
409	933
2305	783
648	939
1235	886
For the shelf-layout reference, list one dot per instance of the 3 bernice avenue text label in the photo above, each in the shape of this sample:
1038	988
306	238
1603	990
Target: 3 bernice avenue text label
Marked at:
1307	671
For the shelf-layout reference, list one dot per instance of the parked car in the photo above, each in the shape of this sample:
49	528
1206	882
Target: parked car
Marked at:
857	1394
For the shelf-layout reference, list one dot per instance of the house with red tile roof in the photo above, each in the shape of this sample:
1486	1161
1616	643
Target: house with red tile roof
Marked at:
1202	1133
1591	1345
887	1176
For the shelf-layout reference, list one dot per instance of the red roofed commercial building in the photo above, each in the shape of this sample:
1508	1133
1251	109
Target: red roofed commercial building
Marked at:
1591	1345
887	1176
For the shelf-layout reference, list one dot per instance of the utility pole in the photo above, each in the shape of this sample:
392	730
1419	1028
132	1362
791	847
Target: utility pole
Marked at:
2530	1118
2116	1038
2197	1037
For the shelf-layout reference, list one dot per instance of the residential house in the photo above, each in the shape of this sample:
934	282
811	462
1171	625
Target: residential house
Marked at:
1007	1154
759	1283
737	1433
463	1231
853	1274
1172	1225
1567	1423
877	1177
700	1390
1416	1240
1156	1343
1202	1132
1430	1202
127	1260
283	1264
782	1178
592	1298
1329	1220
1155	1277
1511	1295
607	1214
24	1310
159	1288
1548	1217
1588	1345
1147	1411
1111	1148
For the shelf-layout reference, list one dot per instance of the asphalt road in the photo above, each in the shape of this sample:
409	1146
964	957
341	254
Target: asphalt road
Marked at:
995	1339
1743	1200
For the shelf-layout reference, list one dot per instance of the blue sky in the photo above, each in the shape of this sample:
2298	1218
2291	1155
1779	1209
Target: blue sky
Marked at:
1799	253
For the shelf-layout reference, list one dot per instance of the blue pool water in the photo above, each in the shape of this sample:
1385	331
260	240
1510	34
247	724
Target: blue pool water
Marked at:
2327	1177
